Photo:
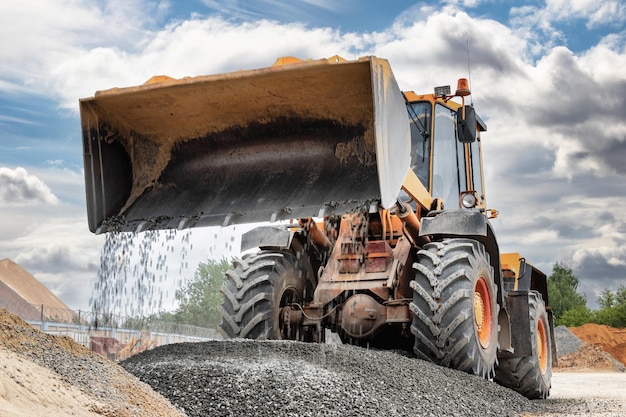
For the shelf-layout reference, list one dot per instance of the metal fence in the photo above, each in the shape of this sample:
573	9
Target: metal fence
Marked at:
116	337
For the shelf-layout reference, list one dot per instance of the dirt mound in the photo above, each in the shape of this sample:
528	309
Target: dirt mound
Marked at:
610	339
19	291
51	375
590	357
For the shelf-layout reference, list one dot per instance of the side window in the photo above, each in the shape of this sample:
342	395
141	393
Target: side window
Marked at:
446	167
476	173
420	114
461	166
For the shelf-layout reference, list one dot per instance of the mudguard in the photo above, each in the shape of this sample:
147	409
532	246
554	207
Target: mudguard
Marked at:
267	236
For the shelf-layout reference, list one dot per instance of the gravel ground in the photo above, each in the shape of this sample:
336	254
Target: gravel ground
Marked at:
281	378
604	393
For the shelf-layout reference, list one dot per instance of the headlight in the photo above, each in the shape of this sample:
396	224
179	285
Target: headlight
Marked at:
469	201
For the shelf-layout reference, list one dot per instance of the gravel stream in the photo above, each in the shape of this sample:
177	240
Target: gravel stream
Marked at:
282	378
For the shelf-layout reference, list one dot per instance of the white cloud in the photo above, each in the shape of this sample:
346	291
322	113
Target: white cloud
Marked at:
538	25
466	3
596	258
331	5
16	120
189	48
37	35
540	236
60	251
55	162
19	188
277	9
595	12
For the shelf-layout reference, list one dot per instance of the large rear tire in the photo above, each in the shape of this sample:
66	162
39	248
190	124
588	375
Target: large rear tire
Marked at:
256	293
454	306
531	375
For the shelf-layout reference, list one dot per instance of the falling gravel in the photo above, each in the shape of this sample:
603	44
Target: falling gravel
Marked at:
283	378
134	270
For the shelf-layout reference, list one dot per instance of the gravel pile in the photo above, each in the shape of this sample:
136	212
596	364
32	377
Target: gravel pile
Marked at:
566	341
113	392
281	378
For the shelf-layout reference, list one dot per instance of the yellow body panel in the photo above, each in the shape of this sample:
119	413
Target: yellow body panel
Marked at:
511	261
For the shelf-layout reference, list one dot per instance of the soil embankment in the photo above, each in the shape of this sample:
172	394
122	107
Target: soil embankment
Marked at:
610	339
54	376
591	347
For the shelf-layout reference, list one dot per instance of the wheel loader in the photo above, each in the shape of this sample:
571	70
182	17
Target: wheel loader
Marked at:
375	223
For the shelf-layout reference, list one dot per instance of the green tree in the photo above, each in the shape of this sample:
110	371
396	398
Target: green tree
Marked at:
165	316
620	295
577	317
563	292
612	308
606	299
200	298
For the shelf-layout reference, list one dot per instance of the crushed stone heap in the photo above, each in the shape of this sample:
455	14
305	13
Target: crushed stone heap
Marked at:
284	378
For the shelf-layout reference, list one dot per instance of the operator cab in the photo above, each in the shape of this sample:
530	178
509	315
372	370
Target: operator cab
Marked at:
445	147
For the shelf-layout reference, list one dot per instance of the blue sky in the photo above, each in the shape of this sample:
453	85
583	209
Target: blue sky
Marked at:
547	76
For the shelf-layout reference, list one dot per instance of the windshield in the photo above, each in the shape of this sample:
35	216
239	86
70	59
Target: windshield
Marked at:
420	114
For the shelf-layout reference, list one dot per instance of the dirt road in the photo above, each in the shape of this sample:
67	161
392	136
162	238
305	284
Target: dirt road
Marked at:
598	394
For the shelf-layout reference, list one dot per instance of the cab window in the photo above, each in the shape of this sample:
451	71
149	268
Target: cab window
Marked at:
420	116
448	165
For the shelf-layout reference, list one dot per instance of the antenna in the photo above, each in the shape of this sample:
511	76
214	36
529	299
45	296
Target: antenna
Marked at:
469	72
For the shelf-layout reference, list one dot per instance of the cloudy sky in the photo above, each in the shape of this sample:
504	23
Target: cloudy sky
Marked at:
548	77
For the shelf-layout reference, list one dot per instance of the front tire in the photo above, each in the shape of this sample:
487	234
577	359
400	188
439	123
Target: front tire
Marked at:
256	293
454	306
531	375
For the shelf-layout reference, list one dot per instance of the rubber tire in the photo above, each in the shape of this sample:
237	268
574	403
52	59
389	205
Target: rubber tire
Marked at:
443	306
524	375
252	295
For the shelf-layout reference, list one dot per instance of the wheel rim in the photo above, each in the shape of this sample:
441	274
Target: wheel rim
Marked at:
542	347
482	312
290	295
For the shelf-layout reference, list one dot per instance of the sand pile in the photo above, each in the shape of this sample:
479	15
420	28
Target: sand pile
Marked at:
54	376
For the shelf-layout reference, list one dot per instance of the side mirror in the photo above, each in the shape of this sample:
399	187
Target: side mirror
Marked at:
466	128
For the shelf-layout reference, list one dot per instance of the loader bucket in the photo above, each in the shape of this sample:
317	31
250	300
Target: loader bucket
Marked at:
299	140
